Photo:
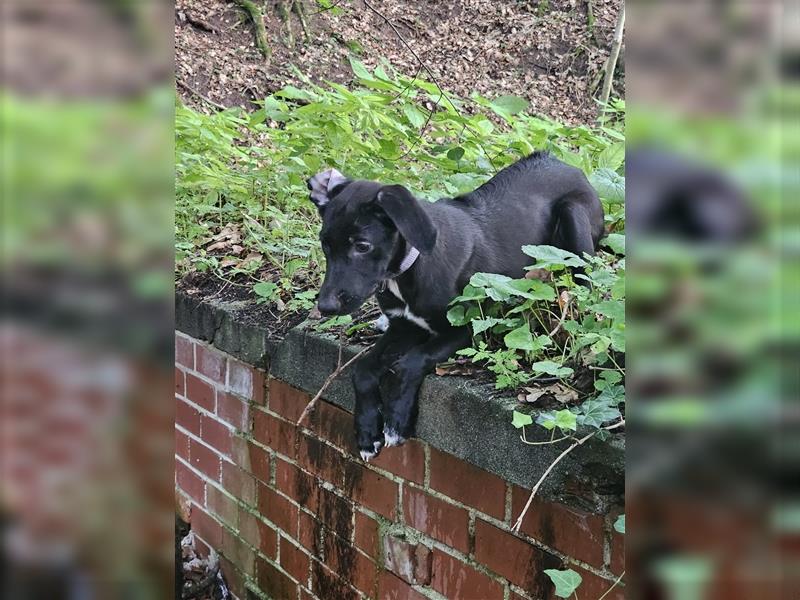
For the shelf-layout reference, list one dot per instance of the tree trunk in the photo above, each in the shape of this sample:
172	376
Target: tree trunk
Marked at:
611	63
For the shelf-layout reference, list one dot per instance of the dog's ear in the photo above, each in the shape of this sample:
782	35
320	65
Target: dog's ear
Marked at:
322	184
411	220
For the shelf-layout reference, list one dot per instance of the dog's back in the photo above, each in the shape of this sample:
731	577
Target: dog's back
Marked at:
537	200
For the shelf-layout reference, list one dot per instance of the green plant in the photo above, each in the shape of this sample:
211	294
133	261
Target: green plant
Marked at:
242	210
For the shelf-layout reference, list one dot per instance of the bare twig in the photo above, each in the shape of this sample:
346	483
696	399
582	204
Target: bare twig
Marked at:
339	368
195	92
300	11
613	585
564	310
558	459
611	63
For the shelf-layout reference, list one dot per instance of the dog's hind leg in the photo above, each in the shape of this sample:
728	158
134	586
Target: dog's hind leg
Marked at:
401	407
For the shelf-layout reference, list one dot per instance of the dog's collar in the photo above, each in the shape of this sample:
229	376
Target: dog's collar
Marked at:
408	260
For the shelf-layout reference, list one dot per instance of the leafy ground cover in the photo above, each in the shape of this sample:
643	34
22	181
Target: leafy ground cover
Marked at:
246	230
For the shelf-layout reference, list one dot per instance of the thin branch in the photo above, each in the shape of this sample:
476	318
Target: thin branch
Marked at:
558	459
429	72
564	310
339	368
611	64
195	92
615	584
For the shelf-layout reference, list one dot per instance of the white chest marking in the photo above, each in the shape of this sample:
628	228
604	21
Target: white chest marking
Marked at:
404	312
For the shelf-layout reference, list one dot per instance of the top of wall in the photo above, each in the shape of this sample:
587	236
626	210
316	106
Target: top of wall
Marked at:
456	414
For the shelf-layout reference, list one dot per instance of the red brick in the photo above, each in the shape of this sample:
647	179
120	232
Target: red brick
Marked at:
204	459
393	588
207	527
287	401
593	586
308	529
274	433
190	483
333	424
258	462
182	445
442	521
573	532
458	581
274	582
410	562
327	584
233	577
366	534
617	551
468	484
180	382
297	484
211	363
215	434
322	460
515	559
269	540
336	513
184	352
294	560
233	411
406	461
350	564
200	392
239	483
187	416
223	506
238	552
277	509
371	489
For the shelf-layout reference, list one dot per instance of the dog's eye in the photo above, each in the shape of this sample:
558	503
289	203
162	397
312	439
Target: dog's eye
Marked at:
362	247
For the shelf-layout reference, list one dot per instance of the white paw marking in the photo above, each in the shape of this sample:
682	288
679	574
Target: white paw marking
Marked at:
381	323
366	455
392	438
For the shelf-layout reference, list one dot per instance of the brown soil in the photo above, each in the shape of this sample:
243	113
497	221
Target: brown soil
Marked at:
540	50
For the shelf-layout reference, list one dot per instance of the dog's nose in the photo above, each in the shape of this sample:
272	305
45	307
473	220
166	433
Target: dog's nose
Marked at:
329	305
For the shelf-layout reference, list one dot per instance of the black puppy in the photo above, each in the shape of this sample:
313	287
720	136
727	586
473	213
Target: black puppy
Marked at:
417	256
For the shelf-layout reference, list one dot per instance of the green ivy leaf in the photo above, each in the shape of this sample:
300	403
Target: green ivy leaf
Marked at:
613	309
550	257
521	419
455	153
597	412
456	316
566	581
551	368
266	289
481	325
609	185
614	241
619	524
563	419
612	157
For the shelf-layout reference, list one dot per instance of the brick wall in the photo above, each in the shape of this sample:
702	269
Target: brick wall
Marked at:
295	516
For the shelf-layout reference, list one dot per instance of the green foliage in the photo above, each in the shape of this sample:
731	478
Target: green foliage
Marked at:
566	581
247	171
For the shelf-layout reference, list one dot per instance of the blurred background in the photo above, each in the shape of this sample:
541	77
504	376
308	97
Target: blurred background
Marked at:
86	505
86	502
712	177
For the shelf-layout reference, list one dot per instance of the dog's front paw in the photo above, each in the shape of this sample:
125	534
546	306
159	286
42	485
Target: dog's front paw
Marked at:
392	437
367	454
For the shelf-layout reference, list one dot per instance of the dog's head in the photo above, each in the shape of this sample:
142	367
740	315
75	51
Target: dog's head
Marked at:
366	228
